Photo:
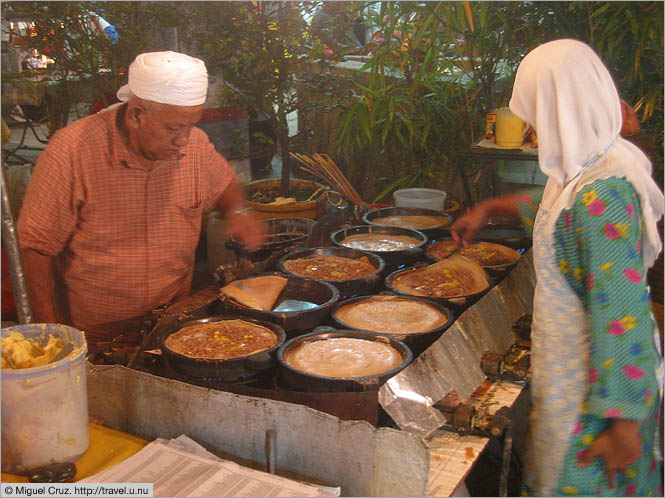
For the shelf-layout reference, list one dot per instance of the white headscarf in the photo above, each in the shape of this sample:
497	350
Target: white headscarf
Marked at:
167	78
566	93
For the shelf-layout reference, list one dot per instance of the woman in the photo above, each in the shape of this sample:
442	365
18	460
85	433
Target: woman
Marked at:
595	356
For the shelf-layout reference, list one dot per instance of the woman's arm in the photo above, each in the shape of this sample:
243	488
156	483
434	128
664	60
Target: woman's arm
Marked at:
522	206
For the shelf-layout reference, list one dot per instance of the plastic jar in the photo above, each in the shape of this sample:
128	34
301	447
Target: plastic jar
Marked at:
425	198
45	409
509	129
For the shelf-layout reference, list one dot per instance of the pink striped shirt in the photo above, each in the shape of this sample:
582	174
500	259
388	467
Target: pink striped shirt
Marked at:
124	236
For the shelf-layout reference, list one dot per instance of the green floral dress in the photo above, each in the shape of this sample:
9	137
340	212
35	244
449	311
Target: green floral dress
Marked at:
598	250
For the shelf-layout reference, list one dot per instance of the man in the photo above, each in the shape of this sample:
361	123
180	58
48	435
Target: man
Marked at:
112	216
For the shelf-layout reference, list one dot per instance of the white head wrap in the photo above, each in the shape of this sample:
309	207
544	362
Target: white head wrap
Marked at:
566	93
167	78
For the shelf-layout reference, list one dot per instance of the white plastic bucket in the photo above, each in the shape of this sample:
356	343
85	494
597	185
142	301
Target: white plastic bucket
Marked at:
425	198
45	409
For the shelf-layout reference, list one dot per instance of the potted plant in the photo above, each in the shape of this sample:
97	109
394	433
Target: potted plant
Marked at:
264	50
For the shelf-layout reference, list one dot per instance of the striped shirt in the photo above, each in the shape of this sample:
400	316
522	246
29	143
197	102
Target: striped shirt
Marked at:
124	233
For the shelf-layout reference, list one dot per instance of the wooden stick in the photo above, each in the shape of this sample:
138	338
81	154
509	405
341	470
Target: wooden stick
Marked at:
322	166
331	164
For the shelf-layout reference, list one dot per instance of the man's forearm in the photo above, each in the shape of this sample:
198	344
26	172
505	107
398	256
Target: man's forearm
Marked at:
232	199
38	270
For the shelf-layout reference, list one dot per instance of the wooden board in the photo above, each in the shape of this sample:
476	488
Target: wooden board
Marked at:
452	456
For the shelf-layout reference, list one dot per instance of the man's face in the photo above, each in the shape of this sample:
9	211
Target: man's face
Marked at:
162	131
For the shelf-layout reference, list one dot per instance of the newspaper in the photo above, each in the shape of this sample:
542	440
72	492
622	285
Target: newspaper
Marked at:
182	467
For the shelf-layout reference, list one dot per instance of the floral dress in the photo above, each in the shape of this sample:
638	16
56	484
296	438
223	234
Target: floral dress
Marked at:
597	246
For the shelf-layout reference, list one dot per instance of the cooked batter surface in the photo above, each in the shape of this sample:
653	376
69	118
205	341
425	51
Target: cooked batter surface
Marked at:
343	357
443	283
330	267
483	253
221	340
415	221
391	315
380	242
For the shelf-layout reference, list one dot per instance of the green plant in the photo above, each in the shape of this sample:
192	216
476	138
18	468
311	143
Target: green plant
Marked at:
263	51
437	68
431	81
87	66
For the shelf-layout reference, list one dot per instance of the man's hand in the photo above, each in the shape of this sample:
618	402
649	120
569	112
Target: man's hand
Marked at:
620	445
247	228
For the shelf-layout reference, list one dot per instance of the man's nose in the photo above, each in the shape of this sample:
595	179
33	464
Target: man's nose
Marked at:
182	138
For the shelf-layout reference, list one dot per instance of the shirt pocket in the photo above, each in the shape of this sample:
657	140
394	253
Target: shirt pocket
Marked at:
188	198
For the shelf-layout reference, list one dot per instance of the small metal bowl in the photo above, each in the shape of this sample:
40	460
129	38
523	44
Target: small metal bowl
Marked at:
282	234
322	295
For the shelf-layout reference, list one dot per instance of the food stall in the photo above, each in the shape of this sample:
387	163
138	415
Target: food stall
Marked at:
415	431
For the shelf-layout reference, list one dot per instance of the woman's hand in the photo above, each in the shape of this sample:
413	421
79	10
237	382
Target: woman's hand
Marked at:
620	445
466	226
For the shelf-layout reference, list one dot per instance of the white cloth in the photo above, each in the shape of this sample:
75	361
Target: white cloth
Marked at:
559	359
565	92
168	78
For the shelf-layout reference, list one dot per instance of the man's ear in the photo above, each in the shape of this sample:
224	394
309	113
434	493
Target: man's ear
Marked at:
134	115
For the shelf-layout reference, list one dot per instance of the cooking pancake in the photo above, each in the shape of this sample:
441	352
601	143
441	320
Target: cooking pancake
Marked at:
221	340
453	277
391	315
485	254
380	242
414	221
259	293
343	357
330	267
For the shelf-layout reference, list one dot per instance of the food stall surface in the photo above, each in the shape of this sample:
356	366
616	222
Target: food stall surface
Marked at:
108	447
314	446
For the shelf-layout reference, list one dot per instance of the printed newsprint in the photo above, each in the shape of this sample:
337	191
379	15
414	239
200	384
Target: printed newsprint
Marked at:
182	467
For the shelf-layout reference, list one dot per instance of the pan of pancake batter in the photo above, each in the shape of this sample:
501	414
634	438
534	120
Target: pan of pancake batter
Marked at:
432	223
397	246
223	357
415	321
349	279
341	360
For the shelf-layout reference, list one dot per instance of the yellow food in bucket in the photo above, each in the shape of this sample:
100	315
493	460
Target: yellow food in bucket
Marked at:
20	352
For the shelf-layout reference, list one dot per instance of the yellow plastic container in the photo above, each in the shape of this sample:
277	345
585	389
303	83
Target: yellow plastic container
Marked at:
45	409
508	129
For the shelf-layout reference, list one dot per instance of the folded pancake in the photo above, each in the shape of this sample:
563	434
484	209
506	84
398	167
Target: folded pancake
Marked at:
393	315
330	267
223	340
453	277
343	357
486	254
259	293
